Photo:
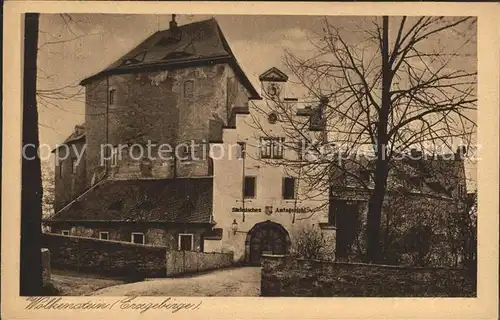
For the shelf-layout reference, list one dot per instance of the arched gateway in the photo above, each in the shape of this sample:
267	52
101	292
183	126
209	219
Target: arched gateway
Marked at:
266	237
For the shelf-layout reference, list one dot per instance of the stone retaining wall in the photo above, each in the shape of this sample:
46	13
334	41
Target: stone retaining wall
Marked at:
286	276
105	257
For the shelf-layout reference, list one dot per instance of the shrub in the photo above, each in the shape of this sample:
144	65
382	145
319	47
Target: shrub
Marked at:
310	243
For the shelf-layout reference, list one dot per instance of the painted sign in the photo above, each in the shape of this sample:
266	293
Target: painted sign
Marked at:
240	209
269	210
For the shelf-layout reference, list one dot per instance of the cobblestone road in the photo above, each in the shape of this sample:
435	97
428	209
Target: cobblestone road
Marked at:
234	282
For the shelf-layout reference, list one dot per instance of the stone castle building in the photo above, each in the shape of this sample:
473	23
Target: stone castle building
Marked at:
179	86
183	87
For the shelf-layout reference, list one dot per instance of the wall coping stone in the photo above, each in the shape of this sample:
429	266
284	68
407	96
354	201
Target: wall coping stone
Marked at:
107	241
275	256
361	264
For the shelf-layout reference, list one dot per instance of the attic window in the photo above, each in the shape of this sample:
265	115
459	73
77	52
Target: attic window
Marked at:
177	55
170	39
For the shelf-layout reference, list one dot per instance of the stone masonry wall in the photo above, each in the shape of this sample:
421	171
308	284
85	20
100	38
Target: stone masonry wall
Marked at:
285	276
181	262
105	257
159	107
154	235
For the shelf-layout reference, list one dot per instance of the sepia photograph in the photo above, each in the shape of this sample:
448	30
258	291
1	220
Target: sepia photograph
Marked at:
342	162
245	155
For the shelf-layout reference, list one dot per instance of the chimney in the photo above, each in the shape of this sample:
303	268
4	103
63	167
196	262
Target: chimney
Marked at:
79	130
173	23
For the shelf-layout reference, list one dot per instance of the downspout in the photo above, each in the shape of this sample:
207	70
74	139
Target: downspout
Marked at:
296	195
243	153
107	123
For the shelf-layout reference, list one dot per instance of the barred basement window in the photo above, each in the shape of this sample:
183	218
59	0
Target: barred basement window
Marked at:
65	232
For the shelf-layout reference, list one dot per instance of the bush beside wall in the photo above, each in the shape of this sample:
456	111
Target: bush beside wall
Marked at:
285	276
180	262
105	257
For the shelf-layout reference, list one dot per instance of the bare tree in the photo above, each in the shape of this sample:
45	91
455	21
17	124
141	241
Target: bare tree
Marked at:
401	83
31	193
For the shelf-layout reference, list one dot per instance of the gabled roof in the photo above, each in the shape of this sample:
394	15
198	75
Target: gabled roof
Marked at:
77	135
181	200
191	44
274	74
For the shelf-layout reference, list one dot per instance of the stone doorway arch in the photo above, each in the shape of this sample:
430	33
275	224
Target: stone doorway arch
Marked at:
266	237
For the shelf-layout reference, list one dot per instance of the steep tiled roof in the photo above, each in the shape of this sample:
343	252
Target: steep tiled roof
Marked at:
182	200
200	42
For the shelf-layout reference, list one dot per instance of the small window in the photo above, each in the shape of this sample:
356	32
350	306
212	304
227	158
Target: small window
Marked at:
288	188
188	89
185	242
302	148
271	148
65	232
104	235
249	187
138	237
114	156
241	150
185	153
74	165
112	96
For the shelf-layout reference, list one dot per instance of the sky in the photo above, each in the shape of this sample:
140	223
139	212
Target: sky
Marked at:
73	47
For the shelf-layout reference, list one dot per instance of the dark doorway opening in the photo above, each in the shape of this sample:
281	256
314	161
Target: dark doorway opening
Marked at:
347	223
